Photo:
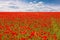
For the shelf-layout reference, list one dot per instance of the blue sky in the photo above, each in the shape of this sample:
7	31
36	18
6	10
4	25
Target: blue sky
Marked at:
45	1
30	5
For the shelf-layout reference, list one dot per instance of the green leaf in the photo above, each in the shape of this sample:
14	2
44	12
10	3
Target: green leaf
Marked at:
2	37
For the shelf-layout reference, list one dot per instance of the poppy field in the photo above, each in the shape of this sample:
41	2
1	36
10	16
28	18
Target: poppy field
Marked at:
29	26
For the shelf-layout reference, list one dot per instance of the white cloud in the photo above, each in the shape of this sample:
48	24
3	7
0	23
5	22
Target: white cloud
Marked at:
16	6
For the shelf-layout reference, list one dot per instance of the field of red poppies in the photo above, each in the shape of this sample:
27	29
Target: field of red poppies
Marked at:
29	26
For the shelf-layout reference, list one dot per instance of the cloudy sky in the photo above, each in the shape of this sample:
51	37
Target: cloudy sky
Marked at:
30	5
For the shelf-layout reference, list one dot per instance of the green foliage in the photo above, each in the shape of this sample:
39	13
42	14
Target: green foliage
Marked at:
55	28
2	37
54	25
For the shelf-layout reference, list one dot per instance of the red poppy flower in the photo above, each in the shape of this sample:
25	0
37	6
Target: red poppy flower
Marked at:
23	32
44	37
54	36
13	33
23	39
1	27
0	36
8	27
